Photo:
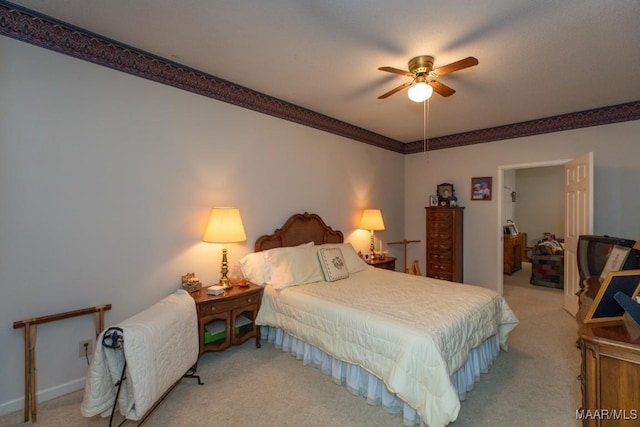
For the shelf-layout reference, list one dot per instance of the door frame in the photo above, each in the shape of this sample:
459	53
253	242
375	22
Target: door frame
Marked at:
499	193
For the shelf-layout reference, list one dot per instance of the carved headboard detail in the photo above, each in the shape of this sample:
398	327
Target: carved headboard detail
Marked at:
299	229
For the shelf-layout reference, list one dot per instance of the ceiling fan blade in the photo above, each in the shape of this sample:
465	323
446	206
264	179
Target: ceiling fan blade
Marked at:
392	91
395	71
441	89
455	66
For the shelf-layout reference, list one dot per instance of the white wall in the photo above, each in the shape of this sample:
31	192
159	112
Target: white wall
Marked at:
616	174
106	181
540	202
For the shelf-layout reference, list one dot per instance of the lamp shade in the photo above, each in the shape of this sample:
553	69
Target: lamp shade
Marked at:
224	226
420	91
372	220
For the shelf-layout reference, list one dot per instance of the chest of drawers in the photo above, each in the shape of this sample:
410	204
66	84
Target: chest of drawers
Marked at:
444	243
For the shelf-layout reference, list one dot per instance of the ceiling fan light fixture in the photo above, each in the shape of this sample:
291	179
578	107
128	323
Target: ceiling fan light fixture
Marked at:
420	92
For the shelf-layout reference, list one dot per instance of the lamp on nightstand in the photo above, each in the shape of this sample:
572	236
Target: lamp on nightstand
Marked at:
224	226
372	221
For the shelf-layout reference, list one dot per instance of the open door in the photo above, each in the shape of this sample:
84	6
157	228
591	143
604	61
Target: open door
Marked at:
578	196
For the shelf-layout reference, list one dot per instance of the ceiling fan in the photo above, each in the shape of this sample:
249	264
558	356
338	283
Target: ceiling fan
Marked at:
423	74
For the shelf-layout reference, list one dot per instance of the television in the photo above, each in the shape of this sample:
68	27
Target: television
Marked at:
593	253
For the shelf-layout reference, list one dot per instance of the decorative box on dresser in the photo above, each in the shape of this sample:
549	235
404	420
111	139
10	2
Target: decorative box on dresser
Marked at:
610	368
444	243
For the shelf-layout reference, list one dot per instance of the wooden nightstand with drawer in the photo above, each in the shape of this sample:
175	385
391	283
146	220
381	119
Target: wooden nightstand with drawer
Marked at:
229	318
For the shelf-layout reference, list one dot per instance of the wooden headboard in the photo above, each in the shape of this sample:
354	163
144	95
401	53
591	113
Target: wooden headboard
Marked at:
299	229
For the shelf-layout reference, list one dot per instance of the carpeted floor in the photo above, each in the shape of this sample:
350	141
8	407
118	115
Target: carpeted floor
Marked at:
534	384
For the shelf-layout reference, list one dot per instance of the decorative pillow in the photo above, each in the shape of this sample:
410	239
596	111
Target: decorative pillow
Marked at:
351	257
294	266
333	264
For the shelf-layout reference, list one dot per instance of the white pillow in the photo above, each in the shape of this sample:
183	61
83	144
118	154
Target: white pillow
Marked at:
333	264
293	266
351	257
255	268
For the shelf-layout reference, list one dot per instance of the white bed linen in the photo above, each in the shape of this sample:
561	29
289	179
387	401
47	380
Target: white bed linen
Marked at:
160	346
362	383
410	331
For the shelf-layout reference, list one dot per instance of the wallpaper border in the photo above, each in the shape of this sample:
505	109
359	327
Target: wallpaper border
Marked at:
28	26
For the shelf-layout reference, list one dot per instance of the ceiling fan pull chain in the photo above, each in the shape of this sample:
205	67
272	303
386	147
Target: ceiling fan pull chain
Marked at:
426	107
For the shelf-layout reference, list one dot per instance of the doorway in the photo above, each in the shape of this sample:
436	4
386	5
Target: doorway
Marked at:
578	213
534	204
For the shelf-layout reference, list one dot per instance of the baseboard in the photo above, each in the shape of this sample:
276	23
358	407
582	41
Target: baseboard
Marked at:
43	396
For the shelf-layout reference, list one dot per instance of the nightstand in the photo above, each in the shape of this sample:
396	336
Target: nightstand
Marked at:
229	318
388	263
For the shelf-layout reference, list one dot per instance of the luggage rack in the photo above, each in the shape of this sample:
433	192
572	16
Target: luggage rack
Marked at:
112	339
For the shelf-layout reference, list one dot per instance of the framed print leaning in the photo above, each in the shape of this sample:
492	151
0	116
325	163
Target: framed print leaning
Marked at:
604	307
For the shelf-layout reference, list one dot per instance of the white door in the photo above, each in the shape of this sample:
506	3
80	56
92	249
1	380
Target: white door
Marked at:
578	196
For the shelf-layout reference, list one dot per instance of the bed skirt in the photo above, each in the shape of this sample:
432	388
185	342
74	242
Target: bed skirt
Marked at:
361	383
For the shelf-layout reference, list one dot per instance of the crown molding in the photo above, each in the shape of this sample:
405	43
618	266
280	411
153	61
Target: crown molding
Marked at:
595	117
31	27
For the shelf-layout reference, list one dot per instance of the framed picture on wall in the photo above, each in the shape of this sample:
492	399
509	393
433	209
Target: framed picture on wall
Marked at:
481	188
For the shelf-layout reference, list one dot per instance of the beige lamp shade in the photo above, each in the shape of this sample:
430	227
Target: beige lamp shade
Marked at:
372	220
224	226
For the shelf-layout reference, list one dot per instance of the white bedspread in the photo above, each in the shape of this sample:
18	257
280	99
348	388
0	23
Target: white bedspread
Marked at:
160	346
410	331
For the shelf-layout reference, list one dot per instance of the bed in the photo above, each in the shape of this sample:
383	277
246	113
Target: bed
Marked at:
412	344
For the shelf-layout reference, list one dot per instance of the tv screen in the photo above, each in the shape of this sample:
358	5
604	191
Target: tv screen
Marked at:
593	252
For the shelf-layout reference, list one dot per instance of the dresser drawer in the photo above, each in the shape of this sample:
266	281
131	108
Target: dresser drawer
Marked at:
440	216
441	275
440	267
440	257
215	306
440	246
439	228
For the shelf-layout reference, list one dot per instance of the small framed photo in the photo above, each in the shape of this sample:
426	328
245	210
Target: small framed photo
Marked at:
615	261
433	201
605	307
481	188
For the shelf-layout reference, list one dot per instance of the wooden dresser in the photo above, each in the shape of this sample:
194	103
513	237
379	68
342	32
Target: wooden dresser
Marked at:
444	243
610	369
513	245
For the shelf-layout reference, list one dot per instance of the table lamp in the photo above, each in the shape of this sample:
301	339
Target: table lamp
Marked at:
372	221
224	226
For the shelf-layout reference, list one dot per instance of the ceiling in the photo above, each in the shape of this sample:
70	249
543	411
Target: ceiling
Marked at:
536	59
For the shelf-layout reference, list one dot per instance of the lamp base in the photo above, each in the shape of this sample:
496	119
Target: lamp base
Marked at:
224	269
225	283
372	248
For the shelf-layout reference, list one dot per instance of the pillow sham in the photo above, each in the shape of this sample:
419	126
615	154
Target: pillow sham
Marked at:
255	267
294	266
351	258
333	264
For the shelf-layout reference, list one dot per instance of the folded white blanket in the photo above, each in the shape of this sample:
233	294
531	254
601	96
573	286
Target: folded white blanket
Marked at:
160	346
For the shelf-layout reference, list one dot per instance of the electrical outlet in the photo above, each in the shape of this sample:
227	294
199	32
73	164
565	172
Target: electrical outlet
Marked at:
85	348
